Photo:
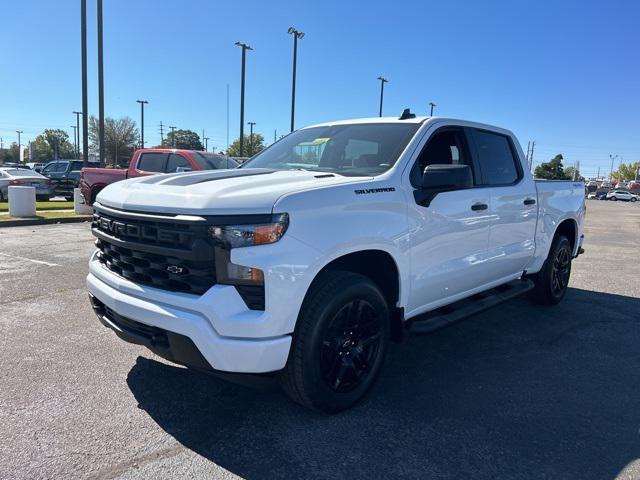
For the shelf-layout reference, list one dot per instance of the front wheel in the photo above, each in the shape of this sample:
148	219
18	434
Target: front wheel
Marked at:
614	199
633	199
552	281
339	344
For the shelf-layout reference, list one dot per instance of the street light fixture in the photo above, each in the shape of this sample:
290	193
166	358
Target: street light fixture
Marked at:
431	104
244	47
297	35
382	82
142	104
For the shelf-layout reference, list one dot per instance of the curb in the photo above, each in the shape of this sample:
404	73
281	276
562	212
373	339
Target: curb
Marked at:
45	221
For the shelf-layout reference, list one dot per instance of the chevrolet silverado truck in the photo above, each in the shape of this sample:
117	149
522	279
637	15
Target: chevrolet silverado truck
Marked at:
150	161
303	264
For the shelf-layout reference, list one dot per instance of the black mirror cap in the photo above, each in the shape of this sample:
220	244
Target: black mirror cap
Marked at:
447	177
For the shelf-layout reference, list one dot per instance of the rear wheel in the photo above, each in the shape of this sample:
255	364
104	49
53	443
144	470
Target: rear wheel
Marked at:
339	344
614	199
552	281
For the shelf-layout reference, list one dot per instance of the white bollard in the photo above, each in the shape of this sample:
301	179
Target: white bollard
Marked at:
79	206
22	201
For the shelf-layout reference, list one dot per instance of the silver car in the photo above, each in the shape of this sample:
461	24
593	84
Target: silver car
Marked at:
28	178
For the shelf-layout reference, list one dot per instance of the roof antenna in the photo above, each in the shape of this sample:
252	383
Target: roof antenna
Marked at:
406	114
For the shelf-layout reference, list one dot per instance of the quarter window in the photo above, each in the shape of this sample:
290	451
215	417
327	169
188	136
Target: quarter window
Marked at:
496	158
152	162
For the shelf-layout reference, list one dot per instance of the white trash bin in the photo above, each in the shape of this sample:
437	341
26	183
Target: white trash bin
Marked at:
79	206
22	201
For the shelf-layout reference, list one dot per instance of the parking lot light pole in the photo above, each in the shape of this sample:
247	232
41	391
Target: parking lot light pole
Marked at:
85	107
173	136
100	84
142	104
251	124
19	144
382	82
244	47
612	157
77	114
206	144
75	138
296	36
432	105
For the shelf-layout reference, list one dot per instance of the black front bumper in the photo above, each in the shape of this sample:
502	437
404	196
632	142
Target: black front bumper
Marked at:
171	346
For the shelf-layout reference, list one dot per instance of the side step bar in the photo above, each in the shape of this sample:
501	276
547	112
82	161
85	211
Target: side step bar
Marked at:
431	321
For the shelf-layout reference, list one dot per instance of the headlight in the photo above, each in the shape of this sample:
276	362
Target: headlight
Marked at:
236	236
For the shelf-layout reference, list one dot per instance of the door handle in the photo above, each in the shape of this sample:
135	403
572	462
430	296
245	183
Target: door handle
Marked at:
530	201
479	206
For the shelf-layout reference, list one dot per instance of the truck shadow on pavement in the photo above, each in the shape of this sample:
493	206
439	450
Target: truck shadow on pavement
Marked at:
518	391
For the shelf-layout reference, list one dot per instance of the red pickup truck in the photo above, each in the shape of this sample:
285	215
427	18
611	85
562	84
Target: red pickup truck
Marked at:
151	161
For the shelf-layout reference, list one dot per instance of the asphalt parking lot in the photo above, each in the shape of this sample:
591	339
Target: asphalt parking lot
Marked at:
516	392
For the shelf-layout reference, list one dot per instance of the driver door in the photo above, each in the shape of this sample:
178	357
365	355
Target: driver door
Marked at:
449	235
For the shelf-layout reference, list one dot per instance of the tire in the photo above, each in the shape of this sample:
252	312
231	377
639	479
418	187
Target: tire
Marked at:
614	199
633	199
335	356
43	198
69	199
552	281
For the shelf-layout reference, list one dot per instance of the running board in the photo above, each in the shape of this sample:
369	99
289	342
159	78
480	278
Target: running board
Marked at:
443	316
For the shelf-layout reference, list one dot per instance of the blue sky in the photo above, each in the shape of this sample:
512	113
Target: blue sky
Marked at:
565	73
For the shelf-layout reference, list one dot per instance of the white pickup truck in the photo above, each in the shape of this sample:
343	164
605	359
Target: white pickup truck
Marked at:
305	262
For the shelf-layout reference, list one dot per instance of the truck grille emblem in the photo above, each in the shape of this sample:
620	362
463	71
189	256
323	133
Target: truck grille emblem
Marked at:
175	269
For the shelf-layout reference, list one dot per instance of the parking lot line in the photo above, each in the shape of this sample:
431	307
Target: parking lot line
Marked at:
40	262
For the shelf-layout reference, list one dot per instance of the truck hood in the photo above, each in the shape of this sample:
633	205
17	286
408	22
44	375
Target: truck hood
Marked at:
238	191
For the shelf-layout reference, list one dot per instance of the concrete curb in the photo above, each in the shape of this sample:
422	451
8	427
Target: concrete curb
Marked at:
45	221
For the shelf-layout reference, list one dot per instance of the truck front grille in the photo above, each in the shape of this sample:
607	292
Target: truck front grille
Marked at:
172	255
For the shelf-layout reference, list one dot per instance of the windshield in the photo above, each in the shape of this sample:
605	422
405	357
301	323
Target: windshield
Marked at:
212	161
350	150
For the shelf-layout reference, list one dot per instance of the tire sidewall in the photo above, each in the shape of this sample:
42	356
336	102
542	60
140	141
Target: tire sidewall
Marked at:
326	398
559	243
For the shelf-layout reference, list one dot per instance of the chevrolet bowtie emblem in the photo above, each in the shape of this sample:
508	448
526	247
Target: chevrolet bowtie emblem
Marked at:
175	269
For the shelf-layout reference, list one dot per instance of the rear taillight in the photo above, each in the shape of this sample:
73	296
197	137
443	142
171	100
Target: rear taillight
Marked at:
16	182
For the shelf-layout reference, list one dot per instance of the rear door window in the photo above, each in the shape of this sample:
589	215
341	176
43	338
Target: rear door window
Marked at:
496	157
152	162
175	161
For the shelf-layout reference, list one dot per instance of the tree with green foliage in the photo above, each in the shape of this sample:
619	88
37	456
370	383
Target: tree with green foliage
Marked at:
11	154
58	141
552	170
569	173
249	147
627	171
120	139
184	139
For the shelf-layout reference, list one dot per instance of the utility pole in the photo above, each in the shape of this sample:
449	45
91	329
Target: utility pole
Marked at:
142	104
432	105
244	47
227	117
1	144
161	133
206	143
77	114
85	107
251	124
203	139
75	138
296	35
598	177
382	82
275	136
612	157
528	148
533	146
173	136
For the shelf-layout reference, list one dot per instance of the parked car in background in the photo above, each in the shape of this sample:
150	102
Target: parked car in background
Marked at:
65	174
151	161
35	166
623	195
25	178
14	165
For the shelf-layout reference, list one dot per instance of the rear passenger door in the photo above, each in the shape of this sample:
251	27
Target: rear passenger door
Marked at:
514	211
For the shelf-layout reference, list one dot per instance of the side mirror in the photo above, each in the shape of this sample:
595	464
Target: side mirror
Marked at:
441	178
183	169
